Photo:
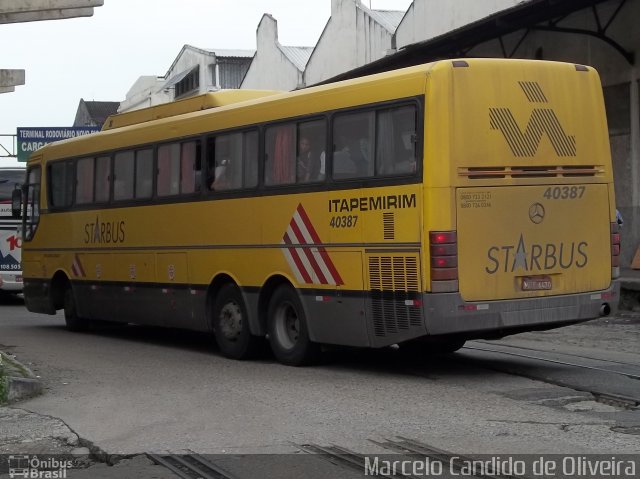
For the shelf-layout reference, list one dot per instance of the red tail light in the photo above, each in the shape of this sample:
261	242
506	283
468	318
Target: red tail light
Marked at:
443	247
615	250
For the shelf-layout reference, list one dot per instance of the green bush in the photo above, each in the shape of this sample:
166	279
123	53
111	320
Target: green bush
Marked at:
4	386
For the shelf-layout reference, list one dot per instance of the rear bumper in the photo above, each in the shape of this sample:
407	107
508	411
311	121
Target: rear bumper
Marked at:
10	282
37	297
448	313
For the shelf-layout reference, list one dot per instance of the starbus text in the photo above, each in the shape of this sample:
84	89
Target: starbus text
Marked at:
536	257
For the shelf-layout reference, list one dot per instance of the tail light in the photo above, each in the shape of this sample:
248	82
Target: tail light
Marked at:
443	249
615	250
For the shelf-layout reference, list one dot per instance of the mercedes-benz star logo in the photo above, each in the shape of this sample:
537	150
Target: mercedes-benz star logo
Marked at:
536	213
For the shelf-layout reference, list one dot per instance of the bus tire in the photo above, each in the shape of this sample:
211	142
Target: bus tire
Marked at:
288	331
231	324
72	320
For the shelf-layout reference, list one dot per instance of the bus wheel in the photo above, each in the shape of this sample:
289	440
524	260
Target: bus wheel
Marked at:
288	332
71	318
231	324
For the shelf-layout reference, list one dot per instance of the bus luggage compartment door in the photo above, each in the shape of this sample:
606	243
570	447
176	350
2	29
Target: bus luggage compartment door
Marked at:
532	241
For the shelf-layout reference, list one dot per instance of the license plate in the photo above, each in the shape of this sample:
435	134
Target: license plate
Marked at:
18	279
536	283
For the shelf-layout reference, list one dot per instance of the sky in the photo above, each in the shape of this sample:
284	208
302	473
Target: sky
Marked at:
100	57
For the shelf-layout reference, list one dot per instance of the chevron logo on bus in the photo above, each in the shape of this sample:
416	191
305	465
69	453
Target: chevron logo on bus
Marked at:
543	121
76	267
309	261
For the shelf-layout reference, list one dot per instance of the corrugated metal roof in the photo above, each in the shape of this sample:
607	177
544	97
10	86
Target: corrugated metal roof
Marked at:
231	53
389	19
299	56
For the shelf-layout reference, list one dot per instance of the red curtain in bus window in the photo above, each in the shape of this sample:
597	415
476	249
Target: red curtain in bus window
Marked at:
284	171
187	173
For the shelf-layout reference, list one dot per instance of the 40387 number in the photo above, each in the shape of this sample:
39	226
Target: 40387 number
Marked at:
564	192
346	221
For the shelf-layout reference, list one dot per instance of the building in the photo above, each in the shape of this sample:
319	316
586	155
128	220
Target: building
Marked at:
426	19
354	36
94	113
274	66
194	71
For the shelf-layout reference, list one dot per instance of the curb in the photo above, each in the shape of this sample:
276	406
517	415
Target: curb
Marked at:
20	382
23	388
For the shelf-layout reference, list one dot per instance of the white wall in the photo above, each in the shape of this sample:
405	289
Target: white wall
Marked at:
144	93
270	68
426	19
350	39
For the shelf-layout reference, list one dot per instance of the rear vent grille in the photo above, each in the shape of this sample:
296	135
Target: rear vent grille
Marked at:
395	288
480	173
389	225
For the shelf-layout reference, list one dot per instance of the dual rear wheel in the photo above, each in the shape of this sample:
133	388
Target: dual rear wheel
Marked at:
286	327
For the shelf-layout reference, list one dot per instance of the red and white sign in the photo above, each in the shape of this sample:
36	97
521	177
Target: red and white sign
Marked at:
76	267
308	260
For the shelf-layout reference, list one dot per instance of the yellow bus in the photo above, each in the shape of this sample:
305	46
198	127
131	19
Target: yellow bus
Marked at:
423	207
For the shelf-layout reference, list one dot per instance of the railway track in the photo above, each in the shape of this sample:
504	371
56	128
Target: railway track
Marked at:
398	458
609	381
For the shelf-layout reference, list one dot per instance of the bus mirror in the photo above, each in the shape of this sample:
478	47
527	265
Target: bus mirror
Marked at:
16	202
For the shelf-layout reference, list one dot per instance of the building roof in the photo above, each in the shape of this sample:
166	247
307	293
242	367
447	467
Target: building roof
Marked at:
99	110
218	52
389	19
299	56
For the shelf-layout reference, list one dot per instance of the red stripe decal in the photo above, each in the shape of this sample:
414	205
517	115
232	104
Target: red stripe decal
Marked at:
296	259
309	254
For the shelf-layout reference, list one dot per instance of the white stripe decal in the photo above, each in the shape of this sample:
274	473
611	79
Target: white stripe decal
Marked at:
309	265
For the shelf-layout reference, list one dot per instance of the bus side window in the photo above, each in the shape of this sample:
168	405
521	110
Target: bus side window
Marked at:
123	169
188	167
84	181
396	141
168	175
353	135
103	179
61	175
310	163
144	173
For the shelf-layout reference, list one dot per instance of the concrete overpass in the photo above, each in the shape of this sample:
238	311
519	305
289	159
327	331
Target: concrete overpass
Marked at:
36	11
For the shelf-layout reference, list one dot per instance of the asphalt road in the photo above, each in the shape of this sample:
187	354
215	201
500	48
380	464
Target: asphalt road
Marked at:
136	389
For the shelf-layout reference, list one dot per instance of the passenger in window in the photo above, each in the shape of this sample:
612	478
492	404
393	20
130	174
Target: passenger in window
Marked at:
343	164
310	164
221	175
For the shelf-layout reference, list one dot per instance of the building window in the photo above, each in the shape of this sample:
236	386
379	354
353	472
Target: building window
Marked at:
189	83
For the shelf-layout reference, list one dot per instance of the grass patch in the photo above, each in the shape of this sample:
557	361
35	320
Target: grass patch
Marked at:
4	385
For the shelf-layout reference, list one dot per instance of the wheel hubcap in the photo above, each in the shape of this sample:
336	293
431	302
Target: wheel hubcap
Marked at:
287	326
231	321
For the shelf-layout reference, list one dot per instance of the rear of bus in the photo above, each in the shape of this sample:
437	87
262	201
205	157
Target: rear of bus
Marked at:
519	198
